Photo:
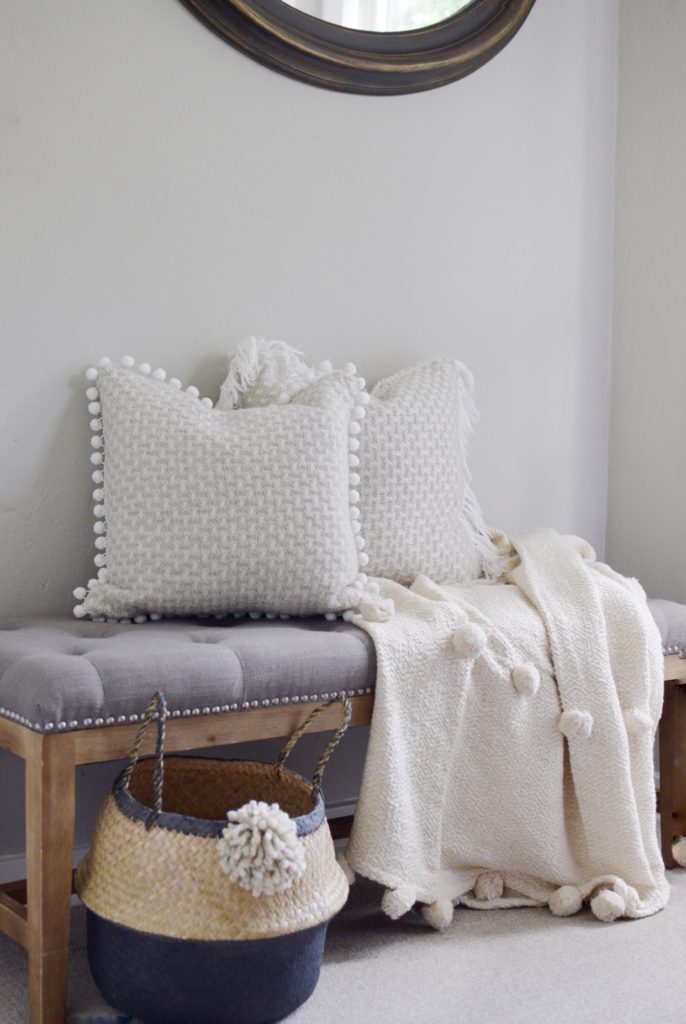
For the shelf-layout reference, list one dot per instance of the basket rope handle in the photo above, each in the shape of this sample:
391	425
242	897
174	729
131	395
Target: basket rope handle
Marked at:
330	747
157	708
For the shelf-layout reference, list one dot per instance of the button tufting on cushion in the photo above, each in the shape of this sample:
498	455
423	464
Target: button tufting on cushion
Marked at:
62	674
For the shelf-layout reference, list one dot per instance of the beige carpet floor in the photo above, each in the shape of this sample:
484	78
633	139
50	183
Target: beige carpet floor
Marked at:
501	967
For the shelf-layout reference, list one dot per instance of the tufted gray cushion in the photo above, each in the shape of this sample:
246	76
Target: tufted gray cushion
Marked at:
62	674
671	621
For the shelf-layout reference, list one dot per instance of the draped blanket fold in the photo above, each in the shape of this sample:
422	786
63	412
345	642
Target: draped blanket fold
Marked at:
511	752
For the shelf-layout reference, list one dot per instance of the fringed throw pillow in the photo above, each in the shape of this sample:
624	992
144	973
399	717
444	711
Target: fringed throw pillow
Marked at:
417	510
205	511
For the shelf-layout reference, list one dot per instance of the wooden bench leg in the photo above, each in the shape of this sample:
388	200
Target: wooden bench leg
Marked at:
672	768
50	802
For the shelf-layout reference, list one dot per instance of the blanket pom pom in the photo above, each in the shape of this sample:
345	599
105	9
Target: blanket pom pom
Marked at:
489	886
397	902
679	851
576	723
438	914
260	849
526	679
565	901
344	865
608	905
469	640
637	721
379	610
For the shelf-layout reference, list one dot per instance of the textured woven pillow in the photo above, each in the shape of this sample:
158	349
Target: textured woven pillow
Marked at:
418	512
200	511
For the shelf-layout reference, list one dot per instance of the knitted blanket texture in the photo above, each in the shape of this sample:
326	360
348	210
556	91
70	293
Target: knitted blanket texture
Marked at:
510	760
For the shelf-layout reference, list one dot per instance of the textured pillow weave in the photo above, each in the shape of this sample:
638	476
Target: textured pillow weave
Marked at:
418	512
200	511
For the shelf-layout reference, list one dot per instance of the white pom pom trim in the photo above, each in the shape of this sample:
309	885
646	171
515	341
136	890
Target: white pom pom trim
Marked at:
679	851
608	905
565	901
438	914
469	640
637	721
489	886
397	902
526	679
260	849
576	724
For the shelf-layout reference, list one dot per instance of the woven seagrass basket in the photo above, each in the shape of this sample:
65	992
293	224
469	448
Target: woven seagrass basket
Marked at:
199	916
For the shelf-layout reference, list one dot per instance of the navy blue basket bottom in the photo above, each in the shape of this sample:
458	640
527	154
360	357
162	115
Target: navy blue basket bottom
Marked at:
176	981
209	885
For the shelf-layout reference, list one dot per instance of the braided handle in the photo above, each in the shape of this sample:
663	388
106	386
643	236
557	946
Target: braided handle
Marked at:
157	708
331	746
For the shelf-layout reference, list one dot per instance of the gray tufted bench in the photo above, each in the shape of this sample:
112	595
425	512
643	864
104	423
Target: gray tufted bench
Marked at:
71	693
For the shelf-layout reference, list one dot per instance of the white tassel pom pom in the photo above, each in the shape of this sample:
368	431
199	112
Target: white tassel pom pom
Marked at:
159	374
97	476
260	849
469	640
145	368
576	723
92	394
438	914
526	679
91	374
175	383
94	407
489	886
79	593
105	361
344	865
608	905
565	901
192	390
377	611
97	458
637	721
363	558
326	366
128	362
679	851
397	902
207	402
350	369
80	611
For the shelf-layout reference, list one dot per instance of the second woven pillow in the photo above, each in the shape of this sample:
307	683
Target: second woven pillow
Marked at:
417	511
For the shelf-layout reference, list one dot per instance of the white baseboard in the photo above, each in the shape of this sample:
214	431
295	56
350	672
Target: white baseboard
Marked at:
13	865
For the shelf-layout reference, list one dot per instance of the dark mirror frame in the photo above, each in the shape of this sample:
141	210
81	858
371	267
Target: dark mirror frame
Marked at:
376	63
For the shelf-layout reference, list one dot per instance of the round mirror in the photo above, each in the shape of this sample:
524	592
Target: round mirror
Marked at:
381	47
381	15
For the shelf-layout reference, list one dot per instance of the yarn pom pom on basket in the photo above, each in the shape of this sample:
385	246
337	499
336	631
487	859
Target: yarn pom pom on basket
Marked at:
213	908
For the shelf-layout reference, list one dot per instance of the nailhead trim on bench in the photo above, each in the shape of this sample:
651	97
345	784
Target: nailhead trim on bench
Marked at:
100	723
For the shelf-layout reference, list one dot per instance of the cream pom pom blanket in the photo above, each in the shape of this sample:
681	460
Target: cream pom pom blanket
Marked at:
511	752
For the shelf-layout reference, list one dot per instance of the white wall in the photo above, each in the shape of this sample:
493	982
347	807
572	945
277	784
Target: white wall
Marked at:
647	507
163	195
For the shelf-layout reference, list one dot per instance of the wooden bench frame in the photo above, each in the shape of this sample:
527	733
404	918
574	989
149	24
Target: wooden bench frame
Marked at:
36	914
